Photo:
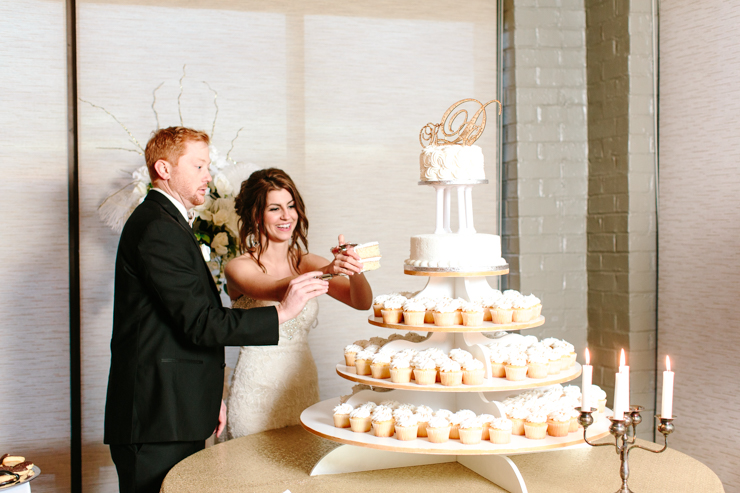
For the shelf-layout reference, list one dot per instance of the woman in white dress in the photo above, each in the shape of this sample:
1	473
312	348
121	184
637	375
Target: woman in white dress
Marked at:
272	385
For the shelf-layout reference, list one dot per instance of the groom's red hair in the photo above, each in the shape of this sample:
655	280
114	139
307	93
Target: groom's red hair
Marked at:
169	144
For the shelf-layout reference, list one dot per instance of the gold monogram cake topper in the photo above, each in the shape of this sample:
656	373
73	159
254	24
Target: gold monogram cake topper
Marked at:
434	134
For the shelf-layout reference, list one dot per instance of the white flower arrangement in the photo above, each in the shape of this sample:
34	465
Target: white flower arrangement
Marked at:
216	223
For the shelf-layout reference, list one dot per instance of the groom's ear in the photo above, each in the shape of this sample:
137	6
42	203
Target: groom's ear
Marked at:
162	168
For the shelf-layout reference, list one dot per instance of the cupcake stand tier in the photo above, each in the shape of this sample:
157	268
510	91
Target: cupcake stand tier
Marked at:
486	327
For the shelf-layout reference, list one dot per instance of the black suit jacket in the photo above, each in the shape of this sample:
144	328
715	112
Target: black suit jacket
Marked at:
169	332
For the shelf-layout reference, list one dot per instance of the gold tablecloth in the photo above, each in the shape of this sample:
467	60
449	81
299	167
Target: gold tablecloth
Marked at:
279	460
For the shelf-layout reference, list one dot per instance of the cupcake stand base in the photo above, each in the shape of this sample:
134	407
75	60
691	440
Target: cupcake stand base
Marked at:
366	452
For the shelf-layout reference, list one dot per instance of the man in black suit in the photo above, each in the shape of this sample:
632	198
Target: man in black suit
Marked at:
169	327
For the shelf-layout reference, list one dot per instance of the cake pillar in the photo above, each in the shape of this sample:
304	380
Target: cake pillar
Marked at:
447	210
462	223
469	208
440	228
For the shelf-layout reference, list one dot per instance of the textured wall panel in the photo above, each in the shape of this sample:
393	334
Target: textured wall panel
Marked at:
335	93
699	282
34	303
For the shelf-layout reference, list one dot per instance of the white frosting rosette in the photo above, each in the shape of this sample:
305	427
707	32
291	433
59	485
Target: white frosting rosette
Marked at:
517	359
444	413
361	412
343	409
364	354
537	417
472	364
438	422
398	413
382	413
468	423
381	358
501	424
400	363
414	306
424	413
353	348
407	420
449	366
391	404
460	355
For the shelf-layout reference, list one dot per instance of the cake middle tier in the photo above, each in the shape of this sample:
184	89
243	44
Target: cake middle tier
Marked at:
456	251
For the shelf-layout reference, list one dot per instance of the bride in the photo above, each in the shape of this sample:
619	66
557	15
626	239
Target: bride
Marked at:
272	385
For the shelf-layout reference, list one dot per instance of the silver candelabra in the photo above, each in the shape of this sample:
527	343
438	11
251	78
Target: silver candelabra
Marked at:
624	431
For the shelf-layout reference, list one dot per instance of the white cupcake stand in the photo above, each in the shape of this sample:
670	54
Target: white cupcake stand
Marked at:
366	452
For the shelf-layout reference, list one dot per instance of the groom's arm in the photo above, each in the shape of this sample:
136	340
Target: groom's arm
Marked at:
173	272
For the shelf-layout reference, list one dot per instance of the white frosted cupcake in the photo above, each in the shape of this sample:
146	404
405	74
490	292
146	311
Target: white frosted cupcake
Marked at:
500	431
414	312
558	423
392	311
456	419
450	373
598	397
407	427
378	303
460	355
425	371
382	422
400	370
381	365
360	419
498	356
502	312
517	416
423	415
350	351
516	367
472	314
485	421
444	314
429	304
438	429
471	431
473	372
363	359
341	415
535	426
537	365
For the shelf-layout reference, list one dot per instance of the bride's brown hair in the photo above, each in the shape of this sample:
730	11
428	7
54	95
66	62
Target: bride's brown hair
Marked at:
250	204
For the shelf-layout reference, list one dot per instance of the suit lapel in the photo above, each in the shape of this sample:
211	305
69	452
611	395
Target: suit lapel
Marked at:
170	208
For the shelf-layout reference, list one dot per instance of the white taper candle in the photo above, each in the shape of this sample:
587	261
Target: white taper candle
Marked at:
666	411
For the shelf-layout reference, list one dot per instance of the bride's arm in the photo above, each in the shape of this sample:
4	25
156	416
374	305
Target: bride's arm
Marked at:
353	290
244	277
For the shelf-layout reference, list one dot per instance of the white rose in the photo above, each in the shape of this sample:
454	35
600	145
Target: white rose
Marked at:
220	244
222	185
220	217
206	251
141	175
232	224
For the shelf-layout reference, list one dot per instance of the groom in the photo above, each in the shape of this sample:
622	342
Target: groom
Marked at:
169	328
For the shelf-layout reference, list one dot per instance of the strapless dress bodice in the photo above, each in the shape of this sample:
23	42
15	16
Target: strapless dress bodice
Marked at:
294	330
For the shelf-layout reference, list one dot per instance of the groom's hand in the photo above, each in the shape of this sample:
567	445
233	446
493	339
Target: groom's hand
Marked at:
221	419
300	290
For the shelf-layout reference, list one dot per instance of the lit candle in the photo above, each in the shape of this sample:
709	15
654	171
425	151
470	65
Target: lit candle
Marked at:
588	371
667	408
618	411
625	370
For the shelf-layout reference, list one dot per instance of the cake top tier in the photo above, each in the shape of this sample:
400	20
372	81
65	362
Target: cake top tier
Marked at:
455	127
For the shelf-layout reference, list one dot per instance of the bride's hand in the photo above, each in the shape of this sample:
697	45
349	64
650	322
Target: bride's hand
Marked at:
346	262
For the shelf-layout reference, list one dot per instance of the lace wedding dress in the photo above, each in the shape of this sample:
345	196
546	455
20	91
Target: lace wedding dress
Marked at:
272	385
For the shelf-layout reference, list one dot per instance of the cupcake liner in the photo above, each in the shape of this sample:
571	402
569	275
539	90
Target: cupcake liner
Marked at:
499	436
349	359
455	431
400	375
485	435
444	319
341	420
383	429
438	435
537	370
458	317
553	367
425	377
406	433
381	371
422	429
362	367
360	425
414	318
471	436
376	310
392	316
516	373
517	426
498	370
473	377
501	316
472	319
535	431
573	425
450	378
521	315
429	317
486	314
558	428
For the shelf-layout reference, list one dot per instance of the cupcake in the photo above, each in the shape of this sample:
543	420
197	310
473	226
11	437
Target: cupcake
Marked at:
533	304
407	427
456	419
498	356
400	370
425	371
460	355
500	431
516	367
444	314
458	304
341	415
362	362
378	303
392	311
502	312
350	352
598	396
414	312
554	364
450	373
558	423
381	365
423	415
429	305
382	421
438	429
360	419
517	416
473	371
488	303
485	421
472	314
574	425
471	431
535	426
522	311
537	364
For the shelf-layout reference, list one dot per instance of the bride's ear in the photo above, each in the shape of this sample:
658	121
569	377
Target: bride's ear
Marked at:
162	168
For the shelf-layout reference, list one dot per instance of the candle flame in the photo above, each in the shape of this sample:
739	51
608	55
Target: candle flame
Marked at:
622	359
668	363
588	357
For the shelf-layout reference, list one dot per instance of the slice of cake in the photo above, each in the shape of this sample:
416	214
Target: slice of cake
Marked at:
369	254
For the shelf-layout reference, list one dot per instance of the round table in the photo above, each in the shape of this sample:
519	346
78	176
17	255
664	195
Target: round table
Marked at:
279	460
